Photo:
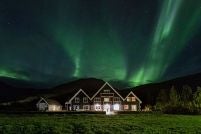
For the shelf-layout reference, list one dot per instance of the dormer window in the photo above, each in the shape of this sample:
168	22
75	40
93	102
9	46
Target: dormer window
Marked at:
128	99
77	100
133	99
106	91
106	99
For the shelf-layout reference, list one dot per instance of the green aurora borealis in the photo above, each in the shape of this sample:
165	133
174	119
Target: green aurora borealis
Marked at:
175	26
130	41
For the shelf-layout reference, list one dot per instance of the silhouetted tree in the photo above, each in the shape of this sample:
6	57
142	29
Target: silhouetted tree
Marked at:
197	98
186	94
161	100
183	103
186	97
174	97
162	97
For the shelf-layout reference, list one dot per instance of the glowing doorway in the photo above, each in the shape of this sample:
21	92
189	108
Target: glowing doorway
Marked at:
106	108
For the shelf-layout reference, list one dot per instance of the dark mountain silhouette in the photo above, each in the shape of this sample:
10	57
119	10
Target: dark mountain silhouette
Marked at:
12	90
147	93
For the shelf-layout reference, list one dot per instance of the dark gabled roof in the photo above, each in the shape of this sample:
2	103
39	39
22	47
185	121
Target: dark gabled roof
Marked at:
80	91
92	88
52	102
49	101
105	86
124	93
89	89
65	92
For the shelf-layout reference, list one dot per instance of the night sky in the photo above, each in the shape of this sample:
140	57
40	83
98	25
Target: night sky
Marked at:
131	41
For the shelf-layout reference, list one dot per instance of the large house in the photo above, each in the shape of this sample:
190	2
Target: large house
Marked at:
106	98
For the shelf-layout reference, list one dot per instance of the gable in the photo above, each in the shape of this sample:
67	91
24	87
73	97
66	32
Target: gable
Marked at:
107	89
53	102
131	94
80	92
42	100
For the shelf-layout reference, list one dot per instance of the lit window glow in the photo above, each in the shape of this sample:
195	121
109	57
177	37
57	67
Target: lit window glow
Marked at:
133	98
116	107
106	99
125	107
128	99
97	107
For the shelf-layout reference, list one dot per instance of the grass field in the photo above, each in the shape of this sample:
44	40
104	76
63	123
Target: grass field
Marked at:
99	124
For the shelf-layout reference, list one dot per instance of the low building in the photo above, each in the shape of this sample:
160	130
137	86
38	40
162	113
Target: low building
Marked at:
48	105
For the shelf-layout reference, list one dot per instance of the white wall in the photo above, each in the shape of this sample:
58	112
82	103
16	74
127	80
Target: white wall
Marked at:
42	106
54	108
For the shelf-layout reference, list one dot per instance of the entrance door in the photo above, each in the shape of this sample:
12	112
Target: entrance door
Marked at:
106	108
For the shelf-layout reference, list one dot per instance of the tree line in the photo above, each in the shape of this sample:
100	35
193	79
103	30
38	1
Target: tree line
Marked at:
175	101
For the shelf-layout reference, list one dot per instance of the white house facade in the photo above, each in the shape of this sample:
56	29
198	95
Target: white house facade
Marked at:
106	98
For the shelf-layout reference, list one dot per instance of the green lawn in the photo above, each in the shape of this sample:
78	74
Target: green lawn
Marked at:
99	124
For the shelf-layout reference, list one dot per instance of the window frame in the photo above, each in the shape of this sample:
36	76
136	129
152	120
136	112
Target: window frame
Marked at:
126	107
104	100
133	99
133	107
76	107
106	91
77	100
97	99
84	107
116	99
85	100
128	99
98	107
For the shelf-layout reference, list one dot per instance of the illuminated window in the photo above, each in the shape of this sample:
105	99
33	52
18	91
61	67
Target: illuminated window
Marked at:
77	100
85	100
106	91
97	99
126	107
106	99
116	107
76	107
53	107
116	99
133	98
86	107
97	107
129	99
133	107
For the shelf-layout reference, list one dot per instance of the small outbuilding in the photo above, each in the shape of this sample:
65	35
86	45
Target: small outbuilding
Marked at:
48	105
